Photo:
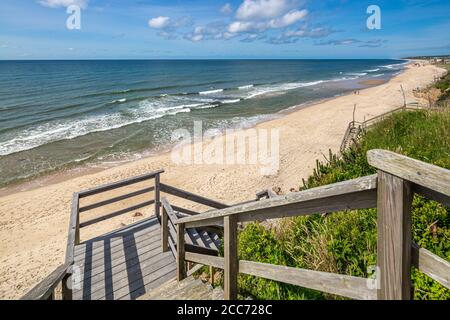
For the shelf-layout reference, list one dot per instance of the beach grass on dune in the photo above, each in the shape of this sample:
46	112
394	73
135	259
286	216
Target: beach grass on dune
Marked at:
345	242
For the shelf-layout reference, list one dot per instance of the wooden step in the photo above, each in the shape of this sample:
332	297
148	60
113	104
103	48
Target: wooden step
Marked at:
188	289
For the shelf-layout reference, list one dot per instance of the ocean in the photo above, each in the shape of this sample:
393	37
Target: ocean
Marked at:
55	115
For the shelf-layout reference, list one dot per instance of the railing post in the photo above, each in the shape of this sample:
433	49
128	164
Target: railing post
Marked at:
181	266
157	196
164	231
231	257
394	237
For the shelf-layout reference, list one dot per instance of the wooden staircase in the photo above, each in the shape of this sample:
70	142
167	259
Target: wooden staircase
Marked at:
188	289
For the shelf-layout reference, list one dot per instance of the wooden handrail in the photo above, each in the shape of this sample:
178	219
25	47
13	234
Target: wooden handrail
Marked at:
44	290
192	197
391	191
423	174
119	184
352	194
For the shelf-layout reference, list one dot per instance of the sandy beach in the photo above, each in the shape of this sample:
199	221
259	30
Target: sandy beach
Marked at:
33	223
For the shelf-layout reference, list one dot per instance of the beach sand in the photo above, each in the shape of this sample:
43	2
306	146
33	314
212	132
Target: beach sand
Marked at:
33	223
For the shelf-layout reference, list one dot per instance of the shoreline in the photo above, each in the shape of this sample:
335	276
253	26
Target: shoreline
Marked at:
63	174
33	223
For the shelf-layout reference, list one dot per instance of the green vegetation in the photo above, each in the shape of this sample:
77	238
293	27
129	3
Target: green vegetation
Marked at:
345	242
444	84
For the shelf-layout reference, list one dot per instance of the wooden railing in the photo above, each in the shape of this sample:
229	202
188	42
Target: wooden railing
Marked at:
390	191
61	276
361	127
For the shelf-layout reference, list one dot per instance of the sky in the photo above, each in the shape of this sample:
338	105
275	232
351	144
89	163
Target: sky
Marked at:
221	29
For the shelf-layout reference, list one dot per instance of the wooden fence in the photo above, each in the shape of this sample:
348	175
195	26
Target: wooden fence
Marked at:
390	191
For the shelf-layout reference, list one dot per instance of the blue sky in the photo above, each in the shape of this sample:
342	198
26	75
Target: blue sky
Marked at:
175	29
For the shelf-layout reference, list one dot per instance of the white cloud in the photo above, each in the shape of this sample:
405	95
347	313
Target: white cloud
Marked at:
263	9
288	19
63	3
239	26
226	9
159	22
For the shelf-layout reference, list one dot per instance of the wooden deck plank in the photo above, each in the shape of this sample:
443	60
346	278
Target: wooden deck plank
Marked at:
98	256
129	262
153	281
80	250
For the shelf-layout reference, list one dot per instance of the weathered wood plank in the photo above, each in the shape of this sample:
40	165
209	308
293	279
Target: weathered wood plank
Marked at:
183	210
127	283
231	258
394	237
343	285
421	173
116	213
98	278
217	262
116	199
119	184
132	278
74	229
352	194
94	248
164	230
91	262
181	267
432	265
151	282
157	196
192	197
44	289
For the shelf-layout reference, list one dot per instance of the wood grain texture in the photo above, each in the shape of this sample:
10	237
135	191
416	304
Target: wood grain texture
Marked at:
394	237
73	237
164	230
352	194
343	285
432	265
181	266
418	172
231	258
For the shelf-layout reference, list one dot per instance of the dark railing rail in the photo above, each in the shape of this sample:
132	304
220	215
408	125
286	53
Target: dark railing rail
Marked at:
390	191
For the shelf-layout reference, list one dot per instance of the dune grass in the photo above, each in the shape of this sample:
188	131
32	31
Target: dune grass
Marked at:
345	242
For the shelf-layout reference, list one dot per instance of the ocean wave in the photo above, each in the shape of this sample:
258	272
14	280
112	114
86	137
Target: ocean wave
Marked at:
357	74
373	70
264	90
118	101
246	87
54	131
210	92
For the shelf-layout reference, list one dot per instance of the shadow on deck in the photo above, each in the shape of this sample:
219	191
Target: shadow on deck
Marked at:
124	264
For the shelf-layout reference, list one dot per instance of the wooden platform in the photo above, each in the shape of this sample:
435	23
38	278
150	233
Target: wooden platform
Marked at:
124	264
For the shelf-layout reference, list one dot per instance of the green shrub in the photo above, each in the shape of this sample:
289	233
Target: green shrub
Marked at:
345	242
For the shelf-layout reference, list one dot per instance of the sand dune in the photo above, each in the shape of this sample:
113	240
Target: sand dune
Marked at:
33	224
